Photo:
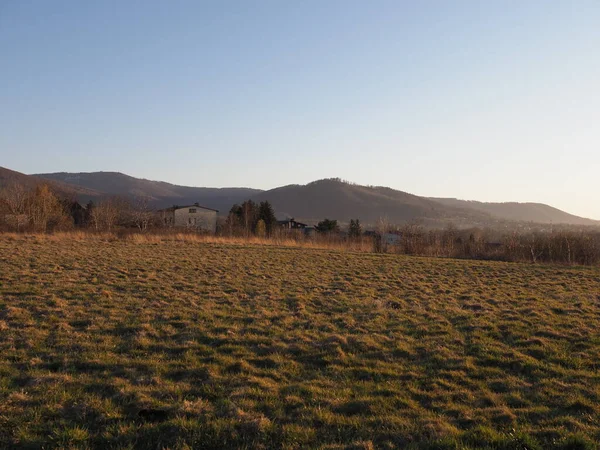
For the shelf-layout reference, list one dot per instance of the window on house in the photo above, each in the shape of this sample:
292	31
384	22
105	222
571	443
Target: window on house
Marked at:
192	210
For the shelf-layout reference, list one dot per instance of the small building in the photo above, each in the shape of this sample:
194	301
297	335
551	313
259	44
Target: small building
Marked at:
291	224
392	238
389	238
385	239
195	217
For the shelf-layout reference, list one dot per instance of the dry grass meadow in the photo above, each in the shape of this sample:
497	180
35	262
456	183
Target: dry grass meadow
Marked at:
108	343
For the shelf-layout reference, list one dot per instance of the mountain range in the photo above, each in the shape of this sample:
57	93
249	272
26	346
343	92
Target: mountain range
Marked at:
314	201
159	193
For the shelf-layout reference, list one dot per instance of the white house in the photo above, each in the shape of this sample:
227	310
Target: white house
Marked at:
191	216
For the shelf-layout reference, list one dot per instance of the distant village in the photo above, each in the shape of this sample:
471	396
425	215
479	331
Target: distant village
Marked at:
41	210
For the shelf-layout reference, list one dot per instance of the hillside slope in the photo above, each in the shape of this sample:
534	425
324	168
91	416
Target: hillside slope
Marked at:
81	193
314	201
160	193
344	201
525	212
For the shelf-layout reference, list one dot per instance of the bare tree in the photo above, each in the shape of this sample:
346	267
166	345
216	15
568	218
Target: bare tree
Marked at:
381	228
568	243
106	214
413	238
248	212
141	213
535	245
449	237
15	196
44	208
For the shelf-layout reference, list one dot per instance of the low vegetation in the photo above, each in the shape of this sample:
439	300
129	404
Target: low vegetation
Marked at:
153	343
42	209
558	246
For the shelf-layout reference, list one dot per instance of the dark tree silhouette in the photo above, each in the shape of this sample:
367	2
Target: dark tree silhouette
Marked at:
267	214
355	229
328	226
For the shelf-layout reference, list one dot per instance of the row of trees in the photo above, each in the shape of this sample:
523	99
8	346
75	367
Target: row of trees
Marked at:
37	209
331	226
251	218
562	246
114	212
258	219
41	209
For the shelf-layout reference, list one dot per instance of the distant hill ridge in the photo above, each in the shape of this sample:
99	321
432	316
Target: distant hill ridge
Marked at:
160	193
343	201
81	193
522	212
332	198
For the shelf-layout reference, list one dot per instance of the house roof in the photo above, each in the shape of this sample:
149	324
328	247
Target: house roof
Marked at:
282	222
195	205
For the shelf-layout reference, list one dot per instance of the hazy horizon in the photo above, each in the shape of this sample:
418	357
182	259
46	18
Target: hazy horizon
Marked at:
492	102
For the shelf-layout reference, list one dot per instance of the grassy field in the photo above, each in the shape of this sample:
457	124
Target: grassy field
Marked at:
188	345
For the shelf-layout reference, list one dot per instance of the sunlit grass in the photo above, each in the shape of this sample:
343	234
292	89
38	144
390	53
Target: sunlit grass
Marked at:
154	343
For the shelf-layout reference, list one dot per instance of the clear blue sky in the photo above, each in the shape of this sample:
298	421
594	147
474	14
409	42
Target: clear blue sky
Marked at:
485	100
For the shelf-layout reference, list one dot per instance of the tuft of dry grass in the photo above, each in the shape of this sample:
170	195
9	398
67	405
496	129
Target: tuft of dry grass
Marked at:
319	242
187	341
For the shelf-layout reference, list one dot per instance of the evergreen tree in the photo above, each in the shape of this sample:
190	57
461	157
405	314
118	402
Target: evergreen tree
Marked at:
328	226
355	229
247	216
235	215
87	217
267	215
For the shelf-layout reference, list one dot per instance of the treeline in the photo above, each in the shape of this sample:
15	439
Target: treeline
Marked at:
562	246
38	209
250	218
41	209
